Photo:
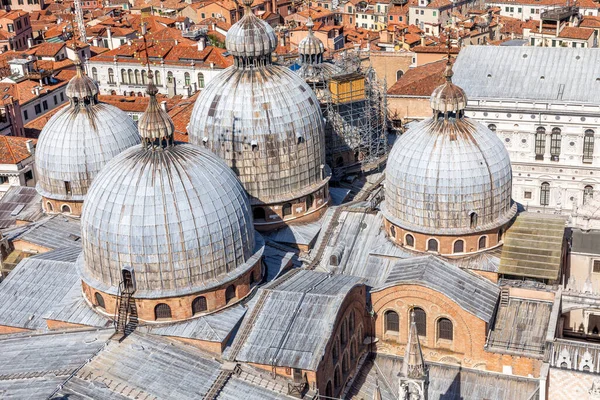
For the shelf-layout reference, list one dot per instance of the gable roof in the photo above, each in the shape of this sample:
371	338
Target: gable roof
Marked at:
13	149
471	292
419	81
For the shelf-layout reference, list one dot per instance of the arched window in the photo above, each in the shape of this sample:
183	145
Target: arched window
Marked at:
492	127
351	321
162	311
337	378
399	74
99	300
555	144
409	240
345	363
66	209
420	321
328	390
111	76
444	327
287	209
473	219
130	76
588	193
353	350
344	332
432	245
200	80
169	77
500	234
540	143
124	76
545	194
186	77
49	207
229	293
588	146
258	213
199	305
482	242
95	74
459	246
138	78
144	77
335	350
392	322
393	231
309	201
157	80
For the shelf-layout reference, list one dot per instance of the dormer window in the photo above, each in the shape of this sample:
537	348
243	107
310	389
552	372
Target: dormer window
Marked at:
254	145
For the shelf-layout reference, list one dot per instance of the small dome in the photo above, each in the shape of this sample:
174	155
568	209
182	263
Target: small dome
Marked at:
266	123
251	37
155	123
82	87
449	175
448	97
177	216
76	143
310	45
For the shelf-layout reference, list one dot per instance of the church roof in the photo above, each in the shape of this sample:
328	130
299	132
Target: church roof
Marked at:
473	293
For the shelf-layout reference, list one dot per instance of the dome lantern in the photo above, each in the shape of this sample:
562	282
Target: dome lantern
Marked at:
448	100
81	90
311	48
155	125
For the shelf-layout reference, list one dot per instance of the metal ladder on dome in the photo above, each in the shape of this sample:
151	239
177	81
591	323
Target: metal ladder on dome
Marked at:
126	319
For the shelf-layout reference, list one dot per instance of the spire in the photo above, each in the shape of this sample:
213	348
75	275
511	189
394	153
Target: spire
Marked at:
413	366
155	126
247	6
448	100
81	90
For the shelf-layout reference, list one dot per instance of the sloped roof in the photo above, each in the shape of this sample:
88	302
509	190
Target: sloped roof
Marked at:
297	316
420	81
585	242
19	202
13	149
497	72
471	292
533	246
572	32
54	232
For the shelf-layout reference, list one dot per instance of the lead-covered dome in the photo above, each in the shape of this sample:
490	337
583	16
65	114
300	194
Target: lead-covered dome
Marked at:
448	174
265	122
250	36
175	214
310	45
79	140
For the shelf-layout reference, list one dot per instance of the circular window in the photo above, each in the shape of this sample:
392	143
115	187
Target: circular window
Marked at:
578	58
582	119
571	198
485	114
557	117
532	116
524	55
508	115
523	140
572	144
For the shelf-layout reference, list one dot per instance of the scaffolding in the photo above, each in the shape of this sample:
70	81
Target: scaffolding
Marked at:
355	108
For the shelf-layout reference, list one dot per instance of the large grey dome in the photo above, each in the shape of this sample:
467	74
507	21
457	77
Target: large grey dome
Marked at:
177	216
76	143
266	123
445	169
250	37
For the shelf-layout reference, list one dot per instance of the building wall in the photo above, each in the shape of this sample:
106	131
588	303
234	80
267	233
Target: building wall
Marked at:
47	101
583	279
569	385
409	108
178	71
387	65
516	124
52	206
469	332
15	173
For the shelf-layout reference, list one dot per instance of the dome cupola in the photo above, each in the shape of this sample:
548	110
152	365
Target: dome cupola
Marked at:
266	123
76	143
173	218
311	48
251	41
448	176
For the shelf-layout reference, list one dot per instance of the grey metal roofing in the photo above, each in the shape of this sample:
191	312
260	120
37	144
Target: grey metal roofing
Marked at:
471	292
177	216
76	144
520	327
212	327
33	366
19	202
250	37
299	233
146	366
53	232
237	389
446	382
439	172
585	241
34	288
266	123
533	246
297	316
529	73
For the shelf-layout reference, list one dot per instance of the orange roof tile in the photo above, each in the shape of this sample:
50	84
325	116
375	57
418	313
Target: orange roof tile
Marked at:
420	81
571	32
13	149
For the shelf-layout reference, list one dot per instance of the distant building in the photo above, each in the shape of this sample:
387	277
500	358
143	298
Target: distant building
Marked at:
16	162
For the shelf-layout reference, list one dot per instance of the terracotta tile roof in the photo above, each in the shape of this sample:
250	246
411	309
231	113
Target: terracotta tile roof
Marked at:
12	15
316	13
435	49
136	104
420	81
46	49
570	32
590	22
220	24
34	127
181	115
13	149
533	2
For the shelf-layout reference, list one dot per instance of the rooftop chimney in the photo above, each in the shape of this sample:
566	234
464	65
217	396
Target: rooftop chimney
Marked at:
29	43
163	105
29	145
201	43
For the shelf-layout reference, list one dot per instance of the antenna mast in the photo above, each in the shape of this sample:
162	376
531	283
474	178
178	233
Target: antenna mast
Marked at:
80	21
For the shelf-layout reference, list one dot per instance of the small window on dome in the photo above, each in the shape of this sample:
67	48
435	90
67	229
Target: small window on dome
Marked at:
409	240
99	300
162	311
300	140
393	231
204	141
473	219
432	245
482	242
65	209
254	145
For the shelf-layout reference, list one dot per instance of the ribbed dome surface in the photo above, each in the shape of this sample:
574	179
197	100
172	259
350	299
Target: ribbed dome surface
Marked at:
440	171
266	123
178	216
76	143
311	45
81	86
448	97
250	37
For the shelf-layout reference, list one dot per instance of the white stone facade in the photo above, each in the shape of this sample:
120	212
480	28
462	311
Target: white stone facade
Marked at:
127	77
567	173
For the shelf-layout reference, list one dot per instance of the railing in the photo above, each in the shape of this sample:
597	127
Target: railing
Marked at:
575	355
560	13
